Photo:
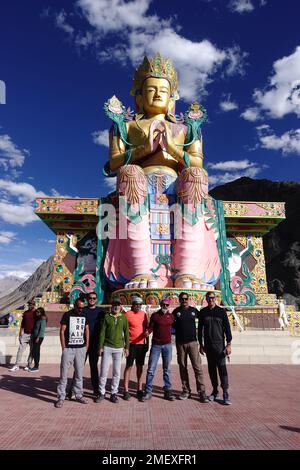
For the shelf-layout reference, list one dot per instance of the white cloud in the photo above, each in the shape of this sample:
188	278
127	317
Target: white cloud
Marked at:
251	114
24	192
244	6
101	137
116	15
46	240
241	6
22	270
6	237
56	194
288	143
282	95
233	169
232	165
227	104
139	32
11	156
111	183
61	22
17	214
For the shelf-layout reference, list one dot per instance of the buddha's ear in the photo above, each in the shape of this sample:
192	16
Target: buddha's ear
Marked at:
171	106
138	104
171	110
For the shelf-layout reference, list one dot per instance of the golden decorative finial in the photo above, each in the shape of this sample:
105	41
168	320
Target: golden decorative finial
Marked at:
157	67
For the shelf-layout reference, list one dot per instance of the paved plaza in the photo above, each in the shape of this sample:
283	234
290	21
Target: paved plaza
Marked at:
265	414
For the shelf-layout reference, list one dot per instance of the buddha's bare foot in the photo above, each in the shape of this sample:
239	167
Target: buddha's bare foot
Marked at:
188	281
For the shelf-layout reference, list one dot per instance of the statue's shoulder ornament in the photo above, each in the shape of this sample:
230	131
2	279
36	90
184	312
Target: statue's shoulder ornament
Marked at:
193	118
116	111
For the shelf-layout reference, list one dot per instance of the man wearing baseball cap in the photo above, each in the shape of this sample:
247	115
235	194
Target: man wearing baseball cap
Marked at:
137	321
161	325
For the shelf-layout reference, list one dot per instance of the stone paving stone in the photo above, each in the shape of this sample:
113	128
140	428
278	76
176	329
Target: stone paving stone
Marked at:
265	414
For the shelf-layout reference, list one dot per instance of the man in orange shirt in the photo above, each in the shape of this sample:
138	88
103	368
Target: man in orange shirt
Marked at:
138	322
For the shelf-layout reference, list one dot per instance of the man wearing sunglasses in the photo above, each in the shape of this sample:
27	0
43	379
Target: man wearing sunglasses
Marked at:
161	325
94	315
213	328
187	346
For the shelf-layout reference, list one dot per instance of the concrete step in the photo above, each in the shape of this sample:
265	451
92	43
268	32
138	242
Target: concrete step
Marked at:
248	347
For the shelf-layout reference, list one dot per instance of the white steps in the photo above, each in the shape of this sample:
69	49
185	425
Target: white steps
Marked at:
248	347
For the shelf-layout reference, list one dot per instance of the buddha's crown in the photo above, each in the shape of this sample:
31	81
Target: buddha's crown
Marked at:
157	67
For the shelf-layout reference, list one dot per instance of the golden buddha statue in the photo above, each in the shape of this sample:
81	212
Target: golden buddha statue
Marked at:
158	157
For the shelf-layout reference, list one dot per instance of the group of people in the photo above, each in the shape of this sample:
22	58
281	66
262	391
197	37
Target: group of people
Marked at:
90	332
87	332
31	333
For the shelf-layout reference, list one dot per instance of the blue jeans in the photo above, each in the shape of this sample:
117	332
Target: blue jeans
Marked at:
166	351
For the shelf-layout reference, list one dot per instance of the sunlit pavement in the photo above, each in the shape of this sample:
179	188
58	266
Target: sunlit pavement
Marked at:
265	414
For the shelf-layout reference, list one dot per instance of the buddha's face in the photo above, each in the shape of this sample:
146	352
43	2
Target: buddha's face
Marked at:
155	96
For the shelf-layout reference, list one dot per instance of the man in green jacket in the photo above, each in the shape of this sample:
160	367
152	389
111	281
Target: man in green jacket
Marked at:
114	339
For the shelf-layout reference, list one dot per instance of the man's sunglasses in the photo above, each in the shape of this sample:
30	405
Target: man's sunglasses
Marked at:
211	298
164	305
184	298
92	298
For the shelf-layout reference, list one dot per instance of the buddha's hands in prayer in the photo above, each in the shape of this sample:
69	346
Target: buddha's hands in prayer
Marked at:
170	145
157	135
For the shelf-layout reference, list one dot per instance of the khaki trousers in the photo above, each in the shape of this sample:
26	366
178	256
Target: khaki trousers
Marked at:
190	350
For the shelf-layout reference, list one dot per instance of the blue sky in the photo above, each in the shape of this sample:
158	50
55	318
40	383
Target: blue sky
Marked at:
60	61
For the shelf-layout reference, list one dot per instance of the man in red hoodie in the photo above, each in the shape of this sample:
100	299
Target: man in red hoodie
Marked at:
26	329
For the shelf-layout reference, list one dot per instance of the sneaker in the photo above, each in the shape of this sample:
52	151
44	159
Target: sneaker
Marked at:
113	398
214	396
147	396
33	369
82	400
27	368
226	399
184	395
126	396
203	398
168	395
14	368
59	404
99	398
139	394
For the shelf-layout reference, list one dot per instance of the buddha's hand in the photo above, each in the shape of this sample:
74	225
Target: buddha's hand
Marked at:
170	145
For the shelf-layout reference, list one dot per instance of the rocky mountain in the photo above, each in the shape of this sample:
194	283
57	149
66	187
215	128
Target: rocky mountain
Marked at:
282	244
36	284
9	284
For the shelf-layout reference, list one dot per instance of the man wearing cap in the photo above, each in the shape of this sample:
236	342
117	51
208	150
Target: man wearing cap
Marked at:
114	340
214	327
137	321
161	325
25	339
187	346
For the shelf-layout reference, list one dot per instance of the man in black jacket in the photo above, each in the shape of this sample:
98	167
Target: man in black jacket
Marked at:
187	346
214	323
